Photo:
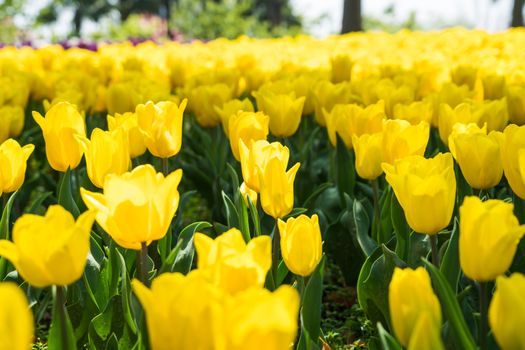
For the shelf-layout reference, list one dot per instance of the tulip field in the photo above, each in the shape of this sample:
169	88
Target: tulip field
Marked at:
213	195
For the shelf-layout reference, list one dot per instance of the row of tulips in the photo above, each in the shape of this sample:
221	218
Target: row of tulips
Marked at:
409	167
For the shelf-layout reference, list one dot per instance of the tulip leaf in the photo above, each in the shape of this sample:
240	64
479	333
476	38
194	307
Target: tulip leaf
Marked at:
5	231
450	266
451	308
232	215
388	342
37	202
295	212
344	169
401	228
282	272
65	194
126	293
311	306
58	340
361	227
110	323
309	202
386	227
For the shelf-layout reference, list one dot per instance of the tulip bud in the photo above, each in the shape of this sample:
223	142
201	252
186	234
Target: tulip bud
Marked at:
368	155
13	162
61	127
401	139
426	190
136	207
130	124
284	110
462	113
425	335
231	108
507	312
489	237
51	249
411	299
415	112
301	244
247	126
17	318
161	125
341	68
246	193
512	149
516	104
205	98
326	95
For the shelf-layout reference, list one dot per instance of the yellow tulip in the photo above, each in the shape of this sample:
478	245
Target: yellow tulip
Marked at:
301	244
285	112
341	68
368	155
161	125
261	320
13	162
106	153
492	113
516	104
352	119
12	119
231	108
255	158
493	86
61	127
411	298
121	98
507	312
477	154
136	207
401	139
204	99
465	74
276	187
462	113
129	122
415	112
247	126
234	266
393	94
5	123
179	309
17	322
326	95
489	237
425	335
246	193
51	249
426	190
512	149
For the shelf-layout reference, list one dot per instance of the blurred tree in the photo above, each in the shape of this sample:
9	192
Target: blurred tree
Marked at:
352	21
517	13
9	8
278	13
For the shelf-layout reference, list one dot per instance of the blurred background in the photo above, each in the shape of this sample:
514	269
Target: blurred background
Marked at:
38	22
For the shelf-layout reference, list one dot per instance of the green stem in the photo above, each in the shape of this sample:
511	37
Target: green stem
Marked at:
377	212
254	211
483	306
276	251
60	300
142	257
434	247
165	166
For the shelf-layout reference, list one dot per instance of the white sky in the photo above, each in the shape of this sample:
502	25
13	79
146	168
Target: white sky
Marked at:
323	17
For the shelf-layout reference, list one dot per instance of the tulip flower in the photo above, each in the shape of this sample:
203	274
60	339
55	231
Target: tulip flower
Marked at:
464	74
234	266
5	123
492	113
516	104
426	190
231	108
415	112
489	237
276	187
425	335
284	110
204	99
512	149
121	98
301	244
129	123
393	94
477	154
449	116
368	155
247	126
507	312
136	207
341	68
256	156
62	126
106	153
13	162
161	125
247	192
411	299
51	249
17	322
494	86
401	139
12	119
326	95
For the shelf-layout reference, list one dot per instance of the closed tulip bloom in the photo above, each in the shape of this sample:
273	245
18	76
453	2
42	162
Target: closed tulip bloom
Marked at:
247	126
178	309
5	123
106	153
465	74
16	321
13	162
411	298
233	265
62	126
248	193
449	116
51	249
255	157
12	119
301	244
276	187
285	112
492	113
507	312
136	207
426	190
425	335
205	98
516	104
341	68
130	124
326	95
368	155
512	149
231	108
493	86
489	237
477	154
415	112
161	125
262	320
401	139
121	98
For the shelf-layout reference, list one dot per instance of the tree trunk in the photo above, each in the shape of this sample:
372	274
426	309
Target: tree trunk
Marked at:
275	12
167	6
352	16
517	13
77	21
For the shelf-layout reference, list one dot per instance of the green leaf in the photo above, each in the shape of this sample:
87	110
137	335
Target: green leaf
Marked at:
345	168
401	228
450	266
309	202
311	308
65	194
232	215
388	342
282	272
451	308
126	294
108	324
37	202
362	226
295	212
5	231
58	340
